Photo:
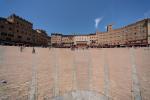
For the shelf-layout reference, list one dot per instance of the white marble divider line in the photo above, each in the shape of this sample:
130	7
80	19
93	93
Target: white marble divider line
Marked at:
136	92
145	53
89	63
56	72
19	62
1	54
106	76
33	90
74	83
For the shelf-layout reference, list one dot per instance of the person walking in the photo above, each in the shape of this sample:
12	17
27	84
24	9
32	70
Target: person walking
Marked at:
21	49
33	50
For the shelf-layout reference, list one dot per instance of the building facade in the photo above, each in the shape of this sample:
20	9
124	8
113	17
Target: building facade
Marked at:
93	40
67	40
60	40
22	29
6	30
49	40
149	31
42	38
15	30
56	39
136	34
81	40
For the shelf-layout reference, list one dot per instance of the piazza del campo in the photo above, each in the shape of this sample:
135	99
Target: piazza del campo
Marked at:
110	64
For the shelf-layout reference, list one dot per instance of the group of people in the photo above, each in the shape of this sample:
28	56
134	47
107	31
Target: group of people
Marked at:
76	48
22	47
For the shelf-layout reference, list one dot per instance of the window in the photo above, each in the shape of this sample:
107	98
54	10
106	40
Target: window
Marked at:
134	27
9	39
28	38
19	37
11	35
2	26
134	33
3	34
10	28
17	30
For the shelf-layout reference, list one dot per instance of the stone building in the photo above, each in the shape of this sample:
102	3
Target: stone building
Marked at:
6	30
93	40
67	40
149	31
85	40
56	39
22	29
136	34
49	40
15	30
81	40
42	38
60	40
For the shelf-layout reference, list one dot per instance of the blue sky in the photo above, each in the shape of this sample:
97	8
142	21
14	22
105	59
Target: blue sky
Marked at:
76	16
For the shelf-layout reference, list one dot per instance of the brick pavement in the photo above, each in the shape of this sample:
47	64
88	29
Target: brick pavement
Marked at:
94	74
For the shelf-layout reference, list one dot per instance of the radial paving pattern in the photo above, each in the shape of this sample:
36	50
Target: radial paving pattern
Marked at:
62	74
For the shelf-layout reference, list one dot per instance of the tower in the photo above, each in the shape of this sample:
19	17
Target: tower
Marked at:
109	27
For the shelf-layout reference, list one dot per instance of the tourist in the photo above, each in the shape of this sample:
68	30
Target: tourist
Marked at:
21	49
33	51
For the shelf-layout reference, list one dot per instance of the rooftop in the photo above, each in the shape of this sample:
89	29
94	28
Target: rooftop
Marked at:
15	16
147	19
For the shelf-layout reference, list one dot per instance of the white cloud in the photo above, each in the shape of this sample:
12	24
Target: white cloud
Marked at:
97	21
